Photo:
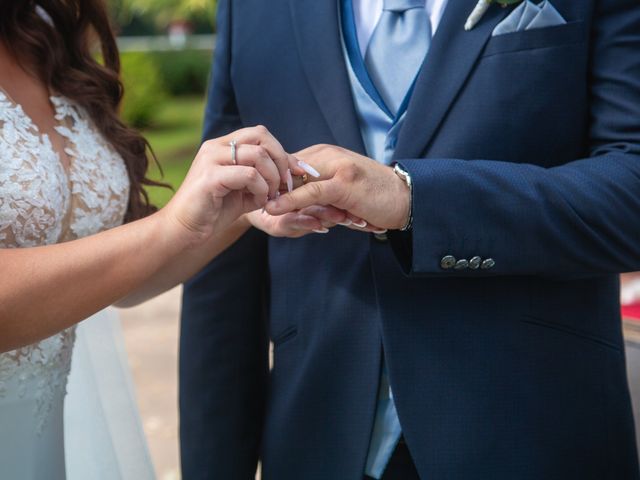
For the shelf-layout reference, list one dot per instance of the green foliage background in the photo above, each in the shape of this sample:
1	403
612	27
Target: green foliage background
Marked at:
184	72
175	139
150	78
165	90
159	13
144	89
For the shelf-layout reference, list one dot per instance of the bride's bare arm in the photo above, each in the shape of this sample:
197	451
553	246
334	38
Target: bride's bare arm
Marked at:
179	269
46	289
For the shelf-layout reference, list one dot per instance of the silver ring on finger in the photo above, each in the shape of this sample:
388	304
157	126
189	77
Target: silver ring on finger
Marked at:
234	151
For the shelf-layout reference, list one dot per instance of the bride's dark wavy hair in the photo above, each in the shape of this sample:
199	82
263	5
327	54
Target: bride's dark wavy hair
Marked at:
61	51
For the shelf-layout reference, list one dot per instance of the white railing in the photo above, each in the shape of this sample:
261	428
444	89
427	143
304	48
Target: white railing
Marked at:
166	43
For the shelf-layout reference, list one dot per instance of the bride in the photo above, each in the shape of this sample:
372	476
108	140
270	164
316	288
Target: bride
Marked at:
77	232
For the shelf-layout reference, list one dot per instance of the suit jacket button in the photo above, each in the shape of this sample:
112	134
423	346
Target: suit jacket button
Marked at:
381	237
462	264
448	262
475	262
488	263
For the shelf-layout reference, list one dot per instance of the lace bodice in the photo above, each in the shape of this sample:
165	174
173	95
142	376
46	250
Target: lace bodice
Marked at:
42	203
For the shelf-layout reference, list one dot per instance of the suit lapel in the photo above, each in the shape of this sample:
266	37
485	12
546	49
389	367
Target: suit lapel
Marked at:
317	33
450	60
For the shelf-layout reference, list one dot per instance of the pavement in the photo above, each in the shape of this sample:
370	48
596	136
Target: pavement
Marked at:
151	335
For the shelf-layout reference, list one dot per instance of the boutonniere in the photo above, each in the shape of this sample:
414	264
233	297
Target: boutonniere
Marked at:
481	8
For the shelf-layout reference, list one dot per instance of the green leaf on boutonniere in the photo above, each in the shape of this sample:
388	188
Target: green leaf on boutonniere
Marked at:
481	8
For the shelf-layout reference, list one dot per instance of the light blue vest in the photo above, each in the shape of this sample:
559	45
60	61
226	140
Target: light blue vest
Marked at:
379	127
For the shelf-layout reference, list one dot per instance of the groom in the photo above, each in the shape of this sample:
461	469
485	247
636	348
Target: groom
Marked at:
480	337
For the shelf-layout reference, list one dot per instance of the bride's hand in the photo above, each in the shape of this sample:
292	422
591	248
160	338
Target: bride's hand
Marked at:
216	191
315	219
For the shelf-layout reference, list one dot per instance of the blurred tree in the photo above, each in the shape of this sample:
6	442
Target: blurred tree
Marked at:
163	12
144	89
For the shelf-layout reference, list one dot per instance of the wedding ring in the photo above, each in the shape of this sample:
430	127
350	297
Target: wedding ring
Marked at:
234	151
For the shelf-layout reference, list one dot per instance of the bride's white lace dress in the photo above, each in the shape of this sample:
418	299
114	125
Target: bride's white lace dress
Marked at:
43	201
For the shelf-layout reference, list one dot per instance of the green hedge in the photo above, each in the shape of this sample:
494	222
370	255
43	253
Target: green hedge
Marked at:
184	72
144	89
149	77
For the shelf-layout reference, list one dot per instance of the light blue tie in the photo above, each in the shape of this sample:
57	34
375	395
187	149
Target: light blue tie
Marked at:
397	49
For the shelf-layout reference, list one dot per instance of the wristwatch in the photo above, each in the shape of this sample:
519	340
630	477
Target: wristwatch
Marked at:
406	178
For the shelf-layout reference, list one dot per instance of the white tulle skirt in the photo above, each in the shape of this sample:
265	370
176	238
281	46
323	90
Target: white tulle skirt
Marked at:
104	439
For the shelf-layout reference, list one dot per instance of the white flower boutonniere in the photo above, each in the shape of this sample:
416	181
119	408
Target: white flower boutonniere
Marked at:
481	8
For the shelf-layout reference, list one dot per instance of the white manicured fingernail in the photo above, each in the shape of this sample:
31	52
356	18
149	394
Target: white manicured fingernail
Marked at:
309	169
361	224
289	181
379	232
323	230
346	223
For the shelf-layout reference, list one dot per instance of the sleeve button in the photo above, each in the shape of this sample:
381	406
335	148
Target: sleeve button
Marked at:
475	262
448	262
462	264
488	263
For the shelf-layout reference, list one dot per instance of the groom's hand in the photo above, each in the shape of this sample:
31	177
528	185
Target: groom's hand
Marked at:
351	182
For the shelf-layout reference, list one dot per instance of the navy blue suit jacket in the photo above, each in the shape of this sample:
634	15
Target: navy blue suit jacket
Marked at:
524	148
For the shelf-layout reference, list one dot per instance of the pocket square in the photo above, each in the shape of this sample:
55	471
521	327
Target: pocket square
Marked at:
529	16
